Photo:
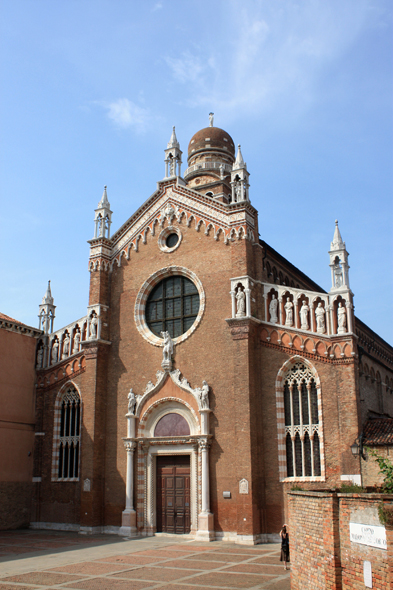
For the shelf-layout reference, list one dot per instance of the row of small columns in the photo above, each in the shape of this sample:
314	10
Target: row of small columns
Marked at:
293	434
296	324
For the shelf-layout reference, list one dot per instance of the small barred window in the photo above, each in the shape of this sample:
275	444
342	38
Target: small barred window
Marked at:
302	425
69	435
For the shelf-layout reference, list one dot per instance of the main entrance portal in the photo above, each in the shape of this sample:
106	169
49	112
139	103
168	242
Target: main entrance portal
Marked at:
173	494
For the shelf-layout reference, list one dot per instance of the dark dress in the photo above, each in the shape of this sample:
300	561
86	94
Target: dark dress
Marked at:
285	548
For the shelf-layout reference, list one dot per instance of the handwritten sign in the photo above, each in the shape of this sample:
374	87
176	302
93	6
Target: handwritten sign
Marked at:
367	534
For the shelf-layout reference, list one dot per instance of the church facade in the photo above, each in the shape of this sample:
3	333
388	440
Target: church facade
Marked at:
208	376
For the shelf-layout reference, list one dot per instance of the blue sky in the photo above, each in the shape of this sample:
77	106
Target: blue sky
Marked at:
90	90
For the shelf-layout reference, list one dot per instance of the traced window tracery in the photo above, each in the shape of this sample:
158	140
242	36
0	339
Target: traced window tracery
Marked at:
68	445
302	426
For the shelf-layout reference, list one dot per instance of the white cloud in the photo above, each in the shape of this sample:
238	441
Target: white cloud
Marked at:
157	6
126	114
188	68
273	54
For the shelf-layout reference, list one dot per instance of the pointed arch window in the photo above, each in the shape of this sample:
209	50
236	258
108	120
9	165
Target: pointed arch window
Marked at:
302	424
67	436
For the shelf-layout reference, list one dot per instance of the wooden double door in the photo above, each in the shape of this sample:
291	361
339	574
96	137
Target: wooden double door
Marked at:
173	494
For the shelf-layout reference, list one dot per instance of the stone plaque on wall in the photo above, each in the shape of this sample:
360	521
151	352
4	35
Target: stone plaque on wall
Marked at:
86	485
367	534
243	486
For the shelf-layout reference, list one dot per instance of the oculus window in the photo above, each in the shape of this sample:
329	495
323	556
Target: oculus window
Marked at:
172	306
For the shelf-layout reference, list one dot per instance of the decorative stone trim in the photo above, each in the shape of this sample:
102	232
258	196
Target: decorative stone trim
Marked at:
144	292
164	235
281	430
56	431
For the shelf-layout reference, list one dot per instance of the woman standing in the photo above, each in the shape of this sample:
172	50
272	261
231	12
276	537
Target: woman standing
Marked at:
284	545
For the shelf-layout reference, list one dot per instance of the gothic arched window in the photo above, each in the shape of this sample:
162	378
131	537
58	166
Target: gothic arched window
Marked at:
67	436
302	425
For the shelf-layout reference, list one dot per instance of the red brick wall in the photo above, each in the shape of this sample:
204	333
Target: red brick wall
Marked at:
322	555
17	376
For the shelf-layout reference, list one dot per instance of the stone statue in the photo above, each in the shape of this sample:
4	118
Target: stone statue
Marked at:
55	352
204	396
222	168
342	319
172	167
241	303
273	309
320	316
338	274
304	316
66	347
40	355
288	312
211	119
167	351
93	327
238	191
131	402
77	339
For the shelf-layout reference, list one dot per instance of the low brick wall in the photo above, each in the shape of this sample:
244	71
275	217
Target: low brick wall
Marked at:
322	554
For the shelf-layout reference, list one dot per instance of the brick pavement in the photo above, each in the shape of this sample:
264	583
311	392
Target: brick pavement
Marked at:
47	560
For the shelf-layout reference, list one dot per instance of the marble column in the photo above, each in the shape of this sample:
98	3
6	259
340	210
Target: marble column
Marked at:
128	518
233	303
205	518
248	302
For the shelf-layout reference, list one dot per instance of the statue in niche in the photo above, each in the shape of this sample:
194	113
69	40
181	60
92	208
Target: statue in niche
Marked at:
239	191
93	327
40	355
241	303
342	318
66	346
338	274
167	350
320	316
222	168
55	352
304	315
131	402
204	395
273	309
172	166
288	312
211	119
77	339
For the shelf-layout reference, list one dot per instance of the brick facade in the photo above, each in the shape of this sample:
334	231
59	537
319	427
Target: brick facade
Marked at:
241	355
322	554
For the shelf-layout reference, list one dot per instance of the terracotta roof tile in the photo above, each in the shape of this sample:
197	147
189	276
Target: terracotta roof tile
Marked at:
8	319
378	431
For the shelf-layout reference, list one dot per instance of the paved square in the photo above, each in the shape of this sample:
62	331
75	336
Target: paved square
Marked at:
42	560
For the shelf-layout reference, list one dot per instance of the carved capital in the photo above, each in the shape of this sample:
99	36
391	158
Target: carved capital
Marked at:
204	444
130	445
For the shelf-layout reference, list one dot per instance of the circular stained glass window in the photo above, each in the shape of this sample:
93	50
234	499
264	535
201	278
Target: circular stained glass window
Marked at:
172	306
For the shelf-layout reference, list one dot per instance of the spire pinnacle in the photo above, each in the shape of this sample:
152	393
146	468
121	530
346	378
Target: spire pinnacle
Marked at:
47	298
337	243
173	143
104	200
239	162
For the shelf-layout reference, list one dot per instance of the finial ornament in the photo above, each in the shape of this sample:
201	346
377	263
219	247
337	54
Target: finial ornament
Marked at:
103	217
47	311
211	119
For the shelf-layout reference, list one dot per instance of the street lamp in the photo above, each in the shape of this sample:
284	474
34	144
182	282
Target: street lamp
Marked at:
357	447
